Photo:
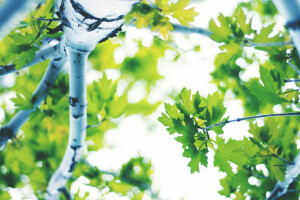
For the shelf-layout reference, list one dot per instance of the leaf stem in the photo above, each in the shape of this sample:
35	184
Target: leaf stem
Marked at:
248	118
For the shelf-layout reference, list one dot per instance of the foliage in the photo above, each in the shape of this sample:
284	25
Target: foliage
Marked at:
195	121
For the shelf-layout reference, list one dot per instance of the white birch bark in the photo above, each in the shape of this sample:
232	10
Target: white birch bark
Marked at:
86	23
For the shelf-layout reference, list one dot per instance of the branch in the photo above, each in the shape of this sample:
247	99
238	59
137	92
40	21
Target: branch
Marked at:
271	44
292	80
291	173
294	67
78	122
10	130
51	52
252	117
186	29
13	11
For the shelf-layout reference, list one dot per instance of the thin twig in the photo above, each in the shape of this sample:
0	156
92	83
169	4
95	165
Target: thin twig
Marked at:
257	175
41	31
295	90
294	67
191	29
96	125
292	80
286	161
48	20
270	44
248	118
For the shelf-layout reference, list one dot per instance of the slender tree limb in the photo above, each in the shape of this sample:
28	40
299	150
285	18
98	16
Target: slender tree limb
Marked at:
271	44
51	52
248	118
191	29
13	11
295	68
292	80
10	130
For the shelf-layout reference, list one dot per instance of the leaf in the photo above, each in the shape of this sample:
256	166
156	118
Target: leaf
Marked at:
117	106
232	152
220	33
173	111
187	103
250	148
264	94
142	107
25	58
268	80
231	50
23	103
183	15
197	157
241	20
263	36
106	88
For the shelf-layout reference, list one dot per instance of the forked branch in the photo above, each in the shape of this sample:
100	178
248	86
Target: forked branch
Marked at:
10	130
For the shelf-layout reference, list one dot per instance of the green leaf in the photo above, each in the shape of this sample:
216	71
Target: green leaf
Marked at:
263	36
25	58
197	157
106	88
142	107
220	33
231	50
268	80
233	152
187	103
264	94
241	20
23	103
117	106
173	112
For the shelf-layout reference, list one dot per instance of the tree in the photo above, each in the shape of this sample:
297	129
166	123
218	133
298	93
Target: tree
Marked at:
68	31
